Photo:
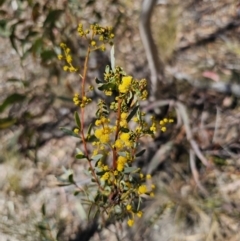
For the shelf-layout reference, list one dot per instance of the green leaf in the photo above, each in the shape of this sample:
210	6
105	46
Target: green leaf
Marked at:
95	214
97	157
125	130
76	193
139	116
12	38
130	98
100	173
98	15
91	198
42	226
63	184
11	99
3	23
47	55
7	122
37	46
63	98
117	209
52	17
96	198
69	132
140	153
89	211
43	210
107	69
139	202
14	80
107	86
112	58
133	112
98	81
92	138
4	30
80	156
122	153
89	129
31	33
70	178
128	170
77	120
149	132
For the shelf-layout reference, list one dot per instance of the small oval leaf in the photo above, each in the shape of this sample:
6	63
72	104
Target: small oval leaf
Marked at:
133	112
77	120
43	210
69	132
140	153
76	193
130	170
92	138
70	178
11	99
97	157
80	156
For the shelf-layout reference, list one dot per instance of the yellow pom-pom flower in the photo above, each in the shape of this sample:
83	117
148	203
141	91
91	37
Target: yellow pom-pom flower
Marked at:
120	163
142	189
105	176
125	136
139	214
129	207
130	222
126	83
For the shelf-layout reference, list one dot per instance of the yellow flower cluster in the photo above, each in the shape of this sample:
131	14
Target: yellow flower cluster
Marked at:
121	161
142	189
162	124
105	35
139	214
105	176
123	141
153	128
130	222
68	58
129	207
125	138
108	92
103	120
81	32
125	85
103	134
76	130
123	122
81	102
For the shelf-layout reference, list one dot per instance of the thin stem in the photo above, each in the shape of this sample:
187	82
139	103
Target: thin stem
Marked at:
116	134
82	117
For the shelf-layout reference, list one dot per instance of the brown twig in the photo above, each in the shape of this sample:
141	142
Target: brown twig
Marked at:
195	147
195	172
82	119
